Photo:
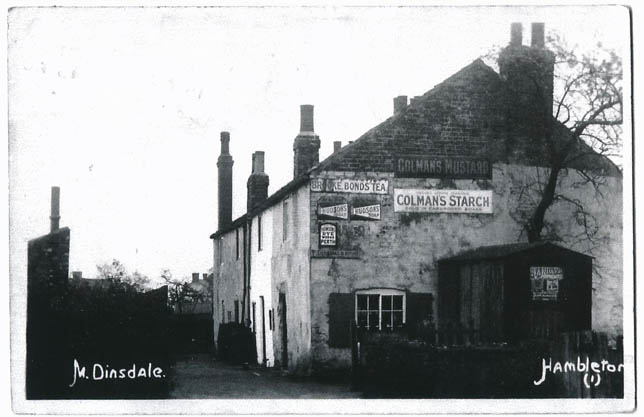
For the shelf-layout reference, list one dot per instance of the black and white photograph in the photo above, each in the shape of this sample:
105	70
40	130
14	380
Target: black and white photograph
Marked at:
317	208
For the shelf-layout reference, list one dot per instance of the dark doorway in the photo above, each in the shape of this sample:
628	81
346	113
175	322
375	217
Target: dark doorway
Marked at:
261	303
281	312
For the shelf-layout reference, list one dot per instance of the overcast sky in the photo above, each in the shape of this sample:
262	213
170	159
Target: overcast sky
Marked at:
122	107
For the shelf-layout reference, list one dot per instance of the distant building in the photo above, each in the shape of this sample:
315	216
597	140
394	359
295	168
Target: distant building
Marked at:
358	237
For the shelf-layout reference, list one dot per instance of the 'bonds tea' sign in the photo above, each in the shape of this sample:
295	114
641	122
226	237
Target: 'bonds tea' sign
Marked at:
346	185
421	166
443	201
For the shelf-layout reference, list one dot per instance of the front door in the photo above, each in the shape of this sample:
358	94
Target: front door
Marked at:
281	312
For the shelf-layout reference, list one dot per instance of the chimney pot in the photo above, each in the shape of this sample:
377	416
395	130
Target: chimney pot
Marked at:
337	145
538	35
77	275
258	162
516	34
55	209
204	276
400	104
225	140
195	277
306	118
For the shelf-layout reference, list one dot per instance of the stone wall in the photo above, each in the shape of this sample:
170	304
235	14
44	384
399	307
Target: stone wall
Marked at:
290	275
400	250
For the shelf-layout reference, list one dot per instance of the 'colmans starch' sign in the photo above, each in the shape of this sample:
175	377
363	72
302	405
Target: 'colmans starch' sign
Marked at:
421	166
443	201
346	185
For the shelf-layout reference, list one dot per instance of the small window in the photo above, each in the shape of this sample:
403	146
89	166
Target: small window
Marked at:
284	220
380	309
237	243
270	319
259	233
253	317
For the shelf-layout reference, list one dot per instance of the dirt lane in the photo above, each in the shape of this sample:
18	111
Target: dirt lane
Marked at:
199	376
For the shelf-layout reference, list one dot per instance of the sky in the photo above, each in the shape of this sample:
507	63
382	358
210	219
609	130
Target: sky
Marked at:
122	107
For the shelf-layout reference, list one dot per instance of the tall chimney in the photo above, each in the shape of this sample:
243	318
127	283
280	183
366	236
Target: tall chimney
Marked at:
257	185
306	148
195	277
538	35
337	145
528	73
225	186
400	104
55	209
204	276
516	34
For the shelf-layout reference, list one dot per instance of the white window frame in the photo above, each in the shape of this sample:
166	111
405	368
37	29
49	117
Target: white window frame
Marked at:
380	292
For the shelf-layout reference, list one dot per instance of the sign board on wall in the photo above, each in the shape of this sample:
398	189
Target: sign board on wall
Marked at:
443	201
328	235
544	281
338	211
422	166
370	212
347	185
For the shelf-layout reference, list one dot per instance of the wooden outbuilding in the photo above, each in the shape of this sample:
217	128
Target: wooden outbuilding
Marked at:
514	292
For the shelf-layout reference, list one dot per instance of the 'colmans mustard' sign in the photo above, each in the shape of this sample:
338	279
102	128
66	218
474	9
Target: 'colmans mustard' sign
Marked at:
443	201
421	166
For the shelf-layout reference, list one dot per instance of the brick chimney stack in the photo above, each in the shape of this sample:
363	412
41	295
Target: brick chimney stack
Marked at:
400	104
528	72
337	145
257	185
195	277
55	209
306	148
225	186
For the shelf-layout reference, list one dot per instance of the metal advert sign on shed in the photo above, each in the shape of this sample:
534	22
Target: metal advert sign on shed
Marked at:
422	166
545	282
346	185
338	211
370	212
443	201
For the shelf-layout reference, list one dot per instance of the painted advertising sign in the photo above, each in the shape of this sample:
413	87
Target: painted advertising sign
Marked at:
443	201
347	185
370	212
422	166
339	211
328	235
545	282
336	253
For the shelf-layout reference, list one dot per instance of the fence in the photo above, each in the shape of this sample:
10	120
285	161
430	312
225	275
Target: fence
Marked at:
457	364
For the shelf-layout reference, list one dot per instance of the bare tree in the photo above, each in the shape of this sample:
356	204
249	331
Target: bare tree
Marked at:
583	132
116	272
